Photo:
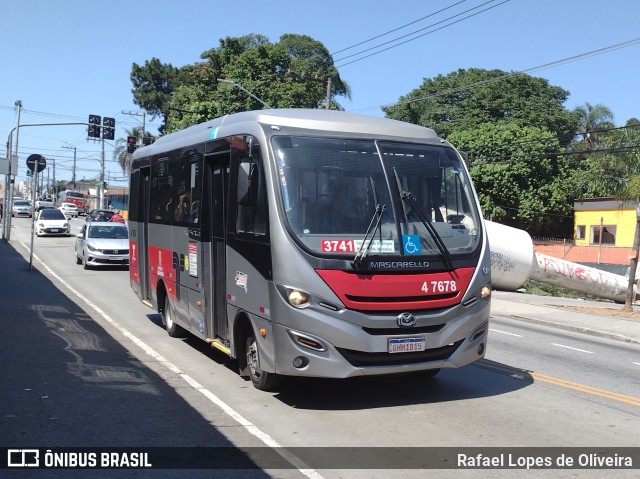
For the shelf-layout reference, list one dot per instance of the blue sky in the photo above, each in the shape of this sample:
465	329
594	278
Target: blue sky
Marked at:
67	59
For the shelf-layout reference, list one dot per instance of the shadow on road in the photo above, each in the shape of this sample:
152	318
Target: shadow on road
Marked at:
66	382
481	379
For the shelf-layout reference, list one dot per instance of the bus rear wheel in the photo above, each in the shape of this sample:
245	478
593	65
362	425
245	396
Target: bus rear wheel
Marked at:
261	380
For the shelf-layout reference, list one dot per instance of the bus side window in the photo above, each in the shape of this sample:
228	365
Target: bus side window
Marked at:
251	214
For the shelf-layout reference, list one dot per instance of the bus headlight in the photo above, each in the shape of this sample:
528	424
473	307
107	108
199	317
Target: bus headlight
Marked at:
297	298
485	292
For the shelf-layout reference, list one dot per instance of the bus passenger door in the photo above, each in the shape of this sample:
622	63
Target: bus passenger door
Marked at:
215	191
143	232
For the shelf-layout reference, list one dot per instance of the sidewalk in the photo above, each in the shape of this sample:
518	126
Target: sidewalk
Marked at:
601	319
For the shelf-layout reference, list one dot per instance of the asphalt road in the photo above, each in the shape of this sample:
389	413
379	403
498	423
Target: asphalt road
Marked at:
112	376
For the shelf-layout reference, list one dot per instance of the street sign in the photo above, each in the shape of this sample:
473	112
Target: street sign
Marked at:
4	166
36	159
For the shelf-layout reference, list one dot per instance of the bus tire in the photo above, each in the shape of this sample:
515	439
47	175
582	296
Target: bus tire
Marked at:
261	380
173	329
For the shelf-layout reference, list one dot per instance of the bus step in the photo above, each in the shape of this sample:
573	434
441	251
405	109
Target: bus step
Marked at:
218	344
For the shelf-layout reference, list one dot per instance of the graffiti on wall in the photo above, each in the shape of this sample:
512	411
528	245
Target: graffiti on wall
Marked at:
560	267
499	262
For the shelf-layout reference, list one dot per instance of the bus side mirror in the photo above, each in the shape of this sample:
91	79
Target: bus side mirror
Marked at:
247	184
465	157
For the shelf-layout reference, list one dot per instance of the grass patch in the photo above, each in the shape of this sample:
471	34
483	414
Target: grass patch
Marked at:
543	289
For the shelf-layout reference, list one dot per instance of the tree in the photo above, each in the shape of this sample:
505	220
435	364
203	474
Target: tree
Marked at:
464	99
120	153
592	118
153	86
519	176
290	73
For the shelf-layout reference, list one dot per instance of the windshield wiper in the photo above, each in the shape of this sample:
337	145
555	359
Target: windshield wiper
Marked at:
407	197
437	239
371	230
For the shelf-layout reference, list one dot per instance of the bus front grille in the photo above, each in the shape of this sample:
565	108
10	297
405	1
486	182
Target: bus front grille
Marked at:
363	359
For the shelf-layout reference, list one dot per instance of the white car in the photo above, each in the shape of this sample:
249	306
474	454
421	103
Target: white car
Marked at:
52	222
69	210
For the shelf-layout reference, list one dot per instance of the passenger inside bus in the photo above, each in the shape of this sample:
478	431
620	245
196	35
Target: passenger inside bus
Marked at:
183	208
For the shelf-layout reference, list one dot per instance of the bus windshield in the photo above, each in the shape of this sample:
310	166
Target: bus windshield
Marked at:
413	199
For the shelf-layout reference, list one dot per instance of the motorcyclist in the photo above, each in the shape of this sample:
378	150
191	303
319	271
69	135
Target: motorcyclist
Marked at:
116	217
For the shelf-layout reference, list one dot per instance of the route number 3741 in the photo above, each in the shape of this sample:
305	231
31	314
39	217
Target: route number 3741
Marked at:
439	286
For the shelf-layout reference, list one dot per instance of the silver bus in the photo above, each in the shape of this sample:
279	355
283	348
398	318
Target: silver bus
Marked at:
312	243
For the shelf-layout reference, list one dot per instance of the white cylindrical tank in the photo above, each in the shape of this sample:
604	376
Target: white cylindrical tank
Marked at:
513	261
512	256
592	281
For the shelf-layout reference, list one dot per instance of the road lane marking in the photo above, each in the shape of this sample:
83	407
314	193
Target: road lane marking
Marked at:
634	401
228	410
569	347
504	332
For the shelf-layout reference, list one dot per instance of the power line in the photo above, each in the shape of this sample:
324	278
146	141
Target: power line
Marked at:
419	36
504	158
544	140
396	29
544	66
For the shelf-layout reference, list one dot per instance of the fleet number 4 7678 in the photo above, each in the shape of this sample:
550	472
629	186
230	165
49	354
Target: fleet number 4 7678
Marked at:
442	286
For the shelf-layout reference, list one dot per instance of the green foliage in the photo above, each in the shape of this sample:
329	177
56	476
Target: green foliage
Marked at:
464	99
519	177
292	73
153	85
120	153
530	156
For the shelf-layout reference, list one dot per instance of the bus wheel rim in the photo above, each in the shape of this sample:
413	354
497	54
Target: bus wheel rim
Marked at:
252	357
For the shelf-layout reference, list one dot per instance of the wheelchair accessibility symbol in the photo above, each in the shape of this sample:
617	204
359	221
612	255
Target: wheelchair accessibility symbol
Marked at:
411	244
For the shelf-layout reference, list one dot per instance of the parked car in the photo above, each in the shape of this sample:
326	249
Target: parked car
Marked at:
22	208
69	210
99	215
101	243
51	221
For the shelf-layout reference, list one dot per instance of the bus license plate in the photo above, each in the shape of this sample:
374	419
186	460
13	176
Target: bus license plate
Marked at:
405	345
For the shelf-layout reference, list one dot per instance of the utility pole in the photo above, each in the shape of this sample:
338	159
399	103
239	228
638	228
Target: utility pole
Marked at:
628	304
143	115
73	174
328	104
102	176
8	204
7	222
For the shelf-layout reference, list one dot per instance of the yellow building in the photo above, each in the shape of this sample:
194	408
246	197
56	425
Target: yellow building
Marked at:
604	221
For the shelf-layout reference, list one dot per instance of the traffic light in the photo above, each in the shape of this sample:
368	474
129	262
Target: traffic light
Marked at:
108	128
131	144
94	126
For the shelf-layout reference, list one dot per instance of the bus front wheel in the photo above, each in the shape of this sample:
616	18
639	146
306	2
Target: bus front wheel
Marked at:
172	328
261	380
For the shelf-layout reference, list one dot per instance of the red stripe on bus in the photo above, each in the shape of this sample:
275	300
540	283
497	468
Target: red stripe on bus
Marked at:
398	292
